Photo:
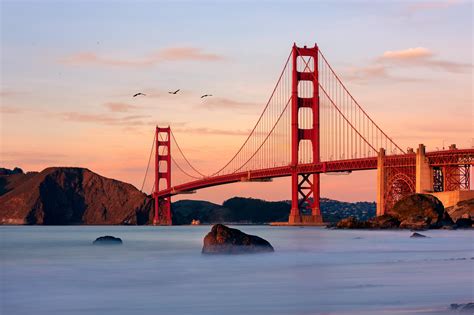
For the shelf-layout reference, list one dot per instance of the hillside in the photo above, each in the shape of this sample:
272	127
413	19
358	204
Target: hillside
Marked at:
67	195
250	210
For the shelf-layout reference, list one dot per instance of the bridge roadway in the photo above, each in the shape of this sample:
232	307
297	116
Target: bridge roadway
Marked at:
436	158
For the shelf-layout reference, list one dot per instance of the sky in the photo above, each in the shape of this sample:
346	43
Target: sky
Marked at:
69	70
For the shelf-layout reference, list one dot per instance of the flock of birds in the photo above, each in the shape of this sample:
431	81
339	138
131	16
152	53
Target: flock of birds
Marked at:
170	92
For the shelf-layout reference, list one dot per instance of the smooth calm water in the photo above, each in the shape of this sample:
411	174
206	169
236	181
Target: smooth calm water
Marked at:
160	270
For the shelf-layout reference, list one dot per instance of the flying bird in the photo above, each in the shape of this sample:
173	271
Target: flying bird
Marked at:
206	95
175	92
138	94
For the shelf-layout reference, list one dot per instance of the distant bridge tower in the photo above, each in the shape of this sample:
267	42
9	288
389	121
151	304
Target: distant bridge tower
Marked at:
305	188
162	176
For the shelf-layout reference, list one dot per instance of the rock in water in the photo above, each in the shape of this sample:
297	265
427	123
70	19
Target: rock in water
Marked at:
352	223
418	235
107	240
224	240
419	212
467	308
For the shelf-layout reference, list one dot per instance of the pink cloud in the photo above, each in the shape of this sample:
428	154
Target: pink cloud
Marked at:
164	55
223	103
105	119
211	131
432	5
119	107
423	57
10	110
187	53
379	68
410	53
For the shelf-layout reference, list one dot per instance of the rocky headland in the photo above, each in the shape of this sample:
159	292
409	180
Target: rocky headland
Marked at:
416	212
70	195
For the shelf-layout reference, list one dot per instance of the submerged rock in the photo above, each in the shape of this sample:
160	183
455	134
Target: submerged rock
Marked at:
224	240
107	240
418	235
467	308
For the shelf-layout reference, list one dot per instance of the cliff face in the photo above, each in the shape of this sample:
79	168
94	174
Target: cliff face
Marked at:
66	195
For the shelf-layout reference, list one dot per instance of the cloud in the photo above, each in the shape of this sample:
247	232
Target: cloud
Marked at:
164	55
187	53
422	57
118	107
211	131
410	53
105	119
369	72
432	5
10	110
213	103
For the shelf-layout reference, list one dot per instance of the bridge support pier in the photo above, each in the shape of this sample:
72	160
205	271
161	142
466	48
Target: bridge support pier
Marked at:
381	183
424	173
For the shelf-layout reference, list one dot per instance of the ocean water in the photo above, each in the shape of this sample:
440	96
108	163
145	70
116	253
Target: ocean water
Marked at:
160	270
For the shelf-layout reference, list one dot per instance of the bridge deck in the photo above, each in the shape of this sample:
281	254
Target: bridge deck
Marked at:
436	158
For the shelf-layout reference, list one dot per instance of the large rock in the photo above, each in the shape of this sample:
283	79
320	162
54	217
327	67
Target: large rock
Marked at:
463	209
224	240
420	211
69	195
384	222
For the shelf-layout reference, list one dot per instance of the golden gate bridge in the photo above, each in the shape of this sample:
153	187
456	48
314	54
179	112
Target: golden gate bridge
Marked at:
311	124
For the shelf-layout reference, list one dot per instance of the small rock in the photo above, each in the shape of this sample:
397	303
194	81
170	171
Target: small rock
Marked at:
418	235
107	240
464	223
224	240
467	308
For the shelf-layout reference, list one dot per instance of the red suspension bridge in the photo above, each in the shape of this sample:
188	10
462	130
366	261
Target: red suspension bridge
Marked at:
310	125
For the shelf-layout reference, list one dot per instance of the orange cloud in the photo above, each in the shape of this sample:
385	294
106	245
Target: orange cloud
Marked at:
164	55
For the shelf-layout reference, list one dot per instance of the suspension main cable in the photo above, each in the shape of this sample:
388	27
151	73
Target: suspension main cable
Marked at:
177	164
355	101
149	160
332	71
184	156
268	135
259	119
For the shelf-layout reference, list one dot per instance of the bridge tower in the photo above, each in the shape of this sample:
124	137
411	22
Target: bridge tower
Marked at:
305	188
162	174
